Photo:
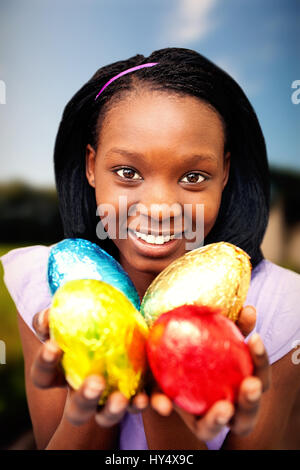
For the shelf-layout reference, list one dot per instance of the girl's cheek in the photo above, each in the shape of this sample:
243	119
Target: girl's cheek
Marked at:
209	215
105	195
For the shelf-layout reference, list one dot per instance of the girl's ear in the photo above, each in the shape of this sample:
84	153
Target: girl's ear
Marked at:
226	168
90	157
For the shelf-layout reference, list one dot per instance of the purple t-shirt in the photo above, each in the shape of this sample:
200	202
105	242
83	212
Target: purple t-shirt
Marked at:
274	292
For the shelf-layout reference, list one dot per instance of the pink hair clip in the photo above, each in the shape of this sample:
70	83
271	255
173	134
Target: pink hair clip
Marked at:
132	69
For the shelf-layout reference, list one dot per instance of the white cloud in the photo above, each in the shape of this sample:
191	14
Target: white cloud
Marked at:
252	86
191	20
229	65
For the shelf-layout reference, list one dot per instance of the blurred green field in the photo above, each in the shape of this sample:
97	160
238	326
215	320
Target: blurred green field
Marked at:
8	324
8	318
13	405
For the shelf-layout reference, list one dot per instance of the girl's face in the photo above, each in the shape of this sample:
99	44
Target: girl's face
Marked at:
160	156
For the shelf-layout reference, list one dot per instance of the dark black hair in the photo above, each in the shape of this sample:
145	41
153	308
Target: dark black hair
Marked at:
244	210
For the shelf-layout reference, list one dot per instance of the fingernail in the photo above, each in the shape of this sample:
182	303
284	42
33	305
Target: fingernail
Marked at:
49	353
41	318
223	419
251	310
93	390
141	403
115	407
254	395
258	346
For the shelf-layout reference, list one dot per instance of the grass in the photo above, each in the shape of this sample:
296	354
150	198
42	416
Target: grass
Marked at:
8	315
13	405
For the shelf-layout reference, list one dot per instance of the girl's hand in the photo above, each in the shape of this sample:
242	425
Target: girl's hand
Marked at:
242	418
81	404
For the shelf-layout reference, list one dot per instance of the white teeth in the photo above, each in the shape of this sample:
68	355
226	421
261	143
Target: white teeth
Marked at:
159	240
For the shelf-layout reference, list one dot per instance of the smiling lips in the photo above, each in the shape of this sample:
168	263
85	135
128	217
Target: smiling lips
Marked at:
156	239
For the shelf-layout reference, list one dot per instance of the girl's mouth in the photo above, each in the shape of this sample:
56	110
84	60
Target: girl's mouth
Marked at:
154	246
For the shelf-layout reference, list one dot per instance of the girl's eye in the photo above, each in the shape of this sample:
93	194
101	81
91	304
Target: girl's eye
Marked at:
193	178
128	173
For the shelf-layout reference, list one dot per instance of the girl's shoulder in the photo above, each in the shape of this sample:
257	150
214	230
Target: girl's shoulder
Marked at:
275	293
25	276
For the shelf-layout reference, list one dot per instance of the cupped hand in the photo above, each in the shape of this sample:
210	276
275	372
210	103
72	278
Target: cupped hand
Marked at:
242	417
82	404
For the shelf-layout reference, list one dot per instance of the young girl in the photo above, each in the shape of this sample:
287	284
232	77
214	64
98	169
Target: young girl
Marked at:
171	129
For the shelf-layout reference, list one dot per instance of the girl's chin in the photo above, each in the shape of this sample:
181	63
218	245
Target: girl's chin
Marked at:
147	267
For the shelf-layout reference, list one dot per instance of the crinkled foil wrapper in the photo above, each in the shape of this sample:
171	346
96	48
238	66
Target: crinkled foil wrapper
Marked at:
100	332
216	275
76	258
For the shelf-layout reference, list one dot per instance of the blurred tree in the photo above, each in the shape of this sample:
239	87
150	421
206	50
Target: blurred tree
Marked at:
28	214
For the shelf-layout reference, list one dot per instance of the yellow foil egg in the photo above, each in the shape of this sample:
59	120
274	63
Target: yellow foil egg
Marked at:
216	275
100	332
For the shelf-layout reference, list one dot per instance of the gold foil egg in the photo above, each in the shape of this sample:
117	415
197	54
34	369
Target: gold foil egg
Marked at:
216	275
100	332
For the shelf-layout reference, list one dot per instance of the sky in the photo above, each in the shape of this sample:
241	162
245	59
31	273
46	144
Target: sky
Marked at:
49	49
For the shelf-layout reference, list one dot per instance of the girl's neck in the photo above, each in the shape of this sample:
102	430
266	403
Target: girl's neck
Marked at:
141	280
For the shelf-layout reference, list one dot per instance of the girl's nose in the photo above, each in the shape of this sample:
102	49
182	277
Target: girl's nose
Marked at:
159	206
158	195
160	219
160	212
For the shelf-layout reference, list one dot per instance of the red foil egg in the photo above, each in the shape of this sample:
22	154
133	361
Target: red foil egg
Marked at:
198	356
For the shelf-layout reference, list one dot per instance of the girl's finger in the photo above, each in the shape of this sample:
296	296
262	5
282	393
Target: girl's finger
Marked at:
262	368
214	420
46	371
113	410
40	323
247	319
247	408
139	403
158	400
161	403
82	404
208	426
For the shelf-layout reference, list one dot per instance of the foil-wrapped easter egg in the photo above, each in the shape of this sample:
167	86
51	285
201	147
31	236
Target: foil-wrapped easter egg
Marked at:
216	275
198	357
76	258
100	332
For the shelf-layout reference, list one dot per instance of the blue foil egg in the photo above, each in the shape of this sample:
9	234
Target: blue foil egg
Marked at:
76	258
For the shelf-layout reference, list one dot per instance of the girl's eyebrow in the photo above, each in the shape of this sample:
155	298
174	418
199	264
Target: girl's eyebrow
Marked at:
192	159
126	153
